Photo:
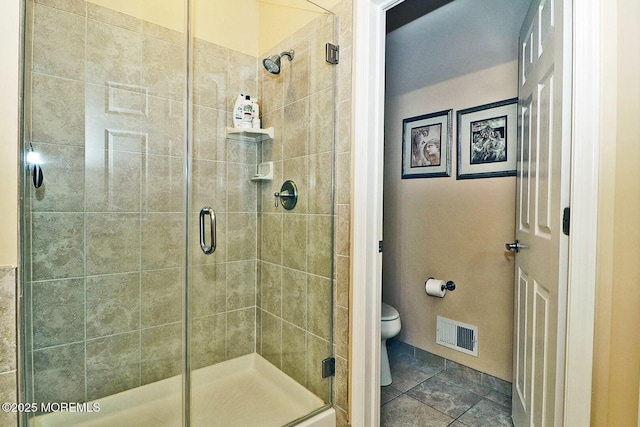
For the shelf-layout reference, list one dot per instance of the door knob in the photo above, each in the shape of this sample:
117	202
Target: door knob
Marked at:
515	246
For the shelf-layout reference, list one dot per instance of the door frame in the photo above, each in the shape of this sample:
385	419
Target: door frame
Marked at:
367	118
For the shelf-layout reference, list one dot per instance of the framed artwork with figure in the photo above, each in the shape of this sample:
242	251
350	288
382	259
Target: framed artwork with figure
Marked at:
487	140
426	145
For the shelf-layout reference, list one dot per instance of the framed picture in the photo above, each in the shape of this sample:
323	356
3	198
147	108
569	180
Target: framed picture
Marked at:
487	140
426	145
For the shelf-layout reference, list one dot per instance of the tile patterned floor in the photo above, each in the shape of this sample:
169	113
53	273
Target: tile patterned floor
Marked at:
428	391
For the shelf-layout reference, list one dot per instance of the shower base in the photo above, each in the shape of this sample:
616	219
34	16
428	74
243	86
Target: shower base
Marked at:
246	391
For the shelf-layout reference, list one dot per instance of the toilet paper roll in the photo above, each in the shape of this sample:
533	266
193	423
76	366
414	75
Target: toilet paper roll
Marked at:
435	287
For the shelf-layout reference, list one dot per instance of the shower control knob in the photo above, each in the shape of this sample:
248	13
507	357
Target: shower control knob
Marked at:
288	195
515	246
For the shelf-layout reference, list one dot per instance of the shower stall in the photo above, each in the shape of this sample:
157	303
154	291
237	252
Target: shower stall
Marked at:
162	281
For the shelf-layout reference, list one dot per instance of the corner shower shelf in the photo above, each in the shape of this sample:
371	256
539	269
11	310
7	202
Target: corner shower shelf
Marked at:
250	134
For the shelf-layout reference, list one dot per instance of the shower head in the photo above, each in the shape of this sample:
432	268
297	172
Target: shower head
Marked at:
272	63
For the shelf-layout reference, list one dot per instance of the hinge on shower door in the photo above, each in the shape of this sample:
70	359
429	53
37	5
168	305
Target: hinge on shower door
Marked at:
332	53
566	220
329	367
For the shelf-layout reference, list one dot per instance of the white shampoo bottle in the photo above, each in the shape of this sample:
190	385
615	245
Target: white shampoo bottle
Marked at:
238	111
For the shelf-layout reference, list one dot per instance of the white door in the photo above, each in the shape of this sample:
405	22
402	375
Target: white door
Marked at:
542	194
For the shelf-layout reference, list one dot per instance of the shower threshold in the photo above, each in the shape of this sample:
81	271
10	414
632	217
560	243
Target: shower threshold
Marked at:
245	391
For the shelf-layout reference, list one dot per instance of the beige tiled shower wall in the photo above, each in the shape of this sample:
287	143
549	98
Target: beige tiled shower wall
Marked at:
309	106
107	114
296	245
7	342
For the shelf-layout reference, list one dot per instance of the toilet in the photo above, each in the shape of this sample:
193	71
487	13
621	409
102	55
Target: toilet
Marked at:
390	327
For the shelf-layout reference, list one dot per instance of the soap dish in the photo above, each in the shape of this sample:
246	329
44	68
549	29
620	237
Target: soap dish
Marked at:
265	172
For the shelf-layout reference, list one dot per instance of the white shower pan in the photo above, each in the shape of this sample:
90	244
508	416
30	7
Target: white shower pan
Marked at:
245	391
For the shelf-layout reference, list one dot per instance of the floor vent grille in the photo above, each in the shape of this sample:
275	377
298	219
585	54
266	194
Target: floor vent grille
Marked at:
457	336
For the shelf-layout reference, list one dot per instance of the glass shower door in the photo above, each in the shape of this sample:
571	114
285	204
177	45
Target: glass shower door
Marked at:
103	236
260	306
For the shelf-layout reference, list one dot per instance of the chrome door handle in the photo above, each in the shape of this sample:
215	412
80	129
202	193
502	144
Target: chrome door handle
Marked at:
33	159
515	246
208	249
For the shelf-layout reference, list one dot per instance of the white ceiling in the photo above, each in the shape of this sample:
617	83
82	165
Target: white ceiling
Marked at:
456	39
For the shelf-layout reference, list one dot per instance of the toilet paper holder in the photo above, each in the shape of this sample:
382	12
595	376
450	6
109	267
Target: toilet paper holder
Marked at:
449	285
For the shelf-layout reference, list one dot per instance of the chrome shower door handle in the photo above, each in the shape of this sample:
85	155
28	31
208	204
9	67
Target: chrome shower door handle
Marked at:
208	249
